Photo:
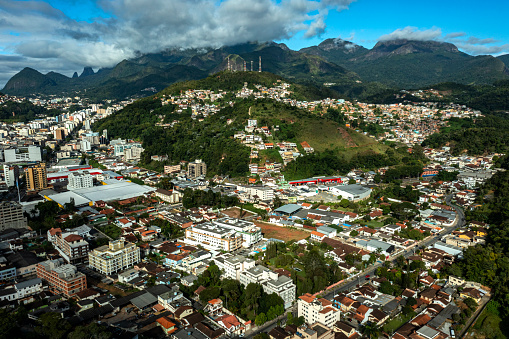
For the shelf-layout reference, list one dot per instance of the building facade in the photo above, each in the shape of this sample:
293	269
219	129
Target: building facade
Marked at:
11	215
114	257
30	153
316	310
36	177
79	180
11	175
213	237
62	278
271	282
196	169
72	247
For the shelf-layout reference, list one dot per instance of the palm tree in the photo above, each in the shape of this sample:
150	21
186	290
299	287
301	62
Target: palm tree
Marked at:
371	330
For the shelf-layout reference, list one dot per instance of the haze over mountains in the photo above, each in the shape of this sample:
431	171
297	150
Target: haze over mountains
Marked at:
394	63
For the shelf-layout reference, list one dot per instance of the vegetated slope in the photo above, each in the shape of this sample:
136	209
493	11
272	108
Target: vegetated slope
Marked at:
212	139
505	59
412	64
485	135
22	111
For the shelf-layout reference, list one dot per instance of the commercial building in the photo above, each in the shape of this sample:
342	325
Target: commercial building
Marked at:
271	282
11	175
79	180
316	310
62	278
196	169
351	192
36	177
31	153
11	215
213	237
114	257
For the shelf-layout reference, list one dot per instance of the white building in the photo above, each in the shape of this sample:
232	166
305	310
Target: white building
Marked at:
233	265
258	192
22	290
114	257
271	282
317	310
128	275
250	233
30	153
11	175
133	153
213	237
351	192
80	180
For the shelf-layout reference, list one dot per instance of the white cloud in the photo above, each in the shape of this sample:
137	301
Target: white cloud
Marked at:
37	31
454	35
413	33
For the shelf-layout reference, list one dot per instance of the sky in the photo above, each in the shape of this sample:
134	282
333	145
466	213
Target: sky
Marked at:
66	35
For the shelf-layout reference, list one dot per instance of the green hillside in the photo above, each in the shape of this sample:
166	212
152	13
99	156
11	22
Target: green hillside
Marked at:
212	139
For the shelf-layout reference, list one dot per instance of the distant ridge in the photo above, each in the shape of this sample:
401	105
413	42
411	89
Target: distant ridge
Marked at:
350	69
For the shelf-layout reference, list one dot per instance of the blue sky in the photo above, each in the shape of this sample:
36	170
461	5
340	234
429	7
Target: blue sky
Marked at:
65	35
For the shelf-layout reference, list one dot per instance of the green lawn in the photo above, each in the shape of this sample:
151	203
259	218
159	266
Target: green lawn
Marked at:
374	223
397	322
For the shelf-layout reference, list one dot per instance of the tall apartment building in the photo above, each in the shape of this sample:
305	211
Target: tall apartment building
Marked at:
271	282
59	134
196	169
114	257
11	175
317	310
11	215
79	180
30	153
72	247
62	278
213	237
36	177
120	146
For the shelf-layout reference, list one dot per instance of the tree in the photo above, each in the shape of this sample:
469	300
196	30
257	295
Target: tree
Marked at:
371	330
53	326
354	233
92	331
252	295
210	293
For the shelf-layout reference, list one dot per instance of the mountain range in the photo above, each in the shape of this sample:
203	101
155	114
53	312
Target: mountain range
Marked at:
347	68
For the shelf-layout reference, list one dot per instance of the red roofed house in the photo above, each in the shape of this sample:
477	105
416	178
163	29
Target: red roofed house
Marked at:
214	306
166	324
230	323
317	236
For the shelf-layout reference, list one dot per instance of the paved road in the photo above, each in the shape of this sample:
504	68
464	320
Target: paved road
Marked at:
360	278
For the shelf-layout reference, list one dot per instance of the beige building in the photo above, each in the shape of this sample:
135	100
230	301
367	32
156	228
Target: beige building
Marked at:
213	237
36	177
114	257
171	197
171	169
196	169
317	310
